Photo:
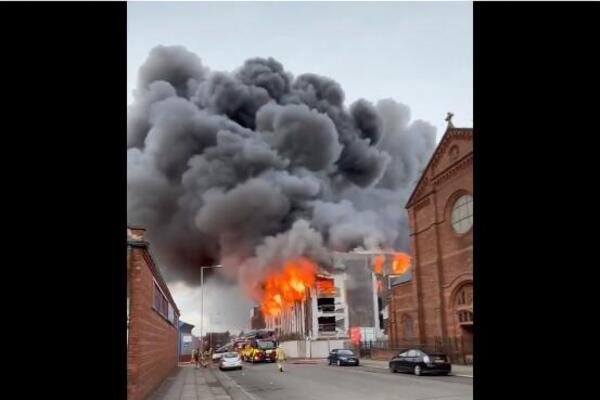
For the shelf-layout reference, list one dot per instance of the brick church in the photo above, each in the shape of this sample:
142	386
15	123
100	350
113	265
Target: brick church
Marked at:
436	305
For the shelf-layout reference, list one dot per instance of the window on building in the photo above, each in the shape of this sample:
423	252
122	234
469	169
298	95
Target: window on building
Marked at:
464	304
326	324
326	304
462	214
162	305
158	298
171	314
465	316
454	152
464	297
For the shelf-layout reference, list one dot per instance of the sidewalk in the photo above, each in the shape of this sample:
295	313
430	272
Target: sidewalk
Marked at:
457	370
189	383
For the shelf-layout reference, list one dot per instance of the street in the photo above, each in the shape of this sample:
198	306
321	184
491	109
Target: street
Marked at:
320	381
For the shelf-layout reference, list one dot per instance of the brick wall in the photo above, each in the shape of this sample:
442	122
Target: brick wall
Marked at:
442	259
152	347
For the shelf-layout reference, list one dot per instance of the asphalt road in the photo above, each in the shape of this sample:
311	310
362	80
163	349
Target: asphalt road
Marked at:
317	382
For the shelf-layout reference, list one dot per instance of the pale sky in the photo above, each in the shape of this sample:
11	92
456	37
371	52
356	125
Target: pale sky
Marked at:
418	53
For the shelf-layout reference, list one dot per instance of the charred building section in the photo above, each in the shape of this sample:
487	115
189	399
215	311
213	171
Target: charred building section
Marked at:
257	320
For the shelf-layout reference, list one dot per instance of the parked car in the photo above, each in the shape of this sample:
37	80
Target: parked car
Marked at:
419	362
230	360
342	357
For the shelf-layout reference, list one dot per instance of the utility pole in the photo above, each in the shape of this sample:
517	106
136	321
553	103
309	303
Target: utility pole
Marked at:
202	301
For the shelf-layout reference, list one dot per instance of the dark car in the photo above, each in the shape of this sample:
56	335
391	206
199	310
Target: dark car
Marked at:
419	362
342	357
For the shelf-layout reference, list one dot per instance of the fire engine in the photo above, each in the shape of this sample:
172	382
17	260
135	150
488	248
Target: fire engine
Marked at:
259	350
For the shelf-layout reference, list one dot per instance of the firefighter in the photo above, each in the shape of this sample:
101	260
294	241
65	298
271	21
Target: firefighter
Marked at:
206	357
196	357
280	357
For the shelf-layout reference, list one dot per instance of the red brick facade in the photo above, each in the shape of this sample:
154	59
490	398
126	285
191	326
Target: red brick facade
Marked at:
437	302
152	339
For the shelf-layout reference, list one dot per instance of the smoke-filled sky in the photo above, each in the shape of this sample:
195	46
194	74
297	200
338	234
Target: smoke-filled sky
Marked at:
260	132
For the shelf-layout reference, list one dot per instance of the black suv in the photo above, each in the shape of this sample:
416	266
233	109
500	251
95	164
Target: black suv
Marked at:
342	357
420	362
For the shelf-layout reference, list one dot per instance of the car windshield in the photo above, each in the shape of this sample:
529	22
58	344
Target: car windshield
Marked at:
345	353
231	355
265	345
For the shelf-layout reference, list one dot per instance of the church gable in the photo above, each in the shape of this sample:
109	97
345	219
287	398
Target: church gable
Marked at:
456	144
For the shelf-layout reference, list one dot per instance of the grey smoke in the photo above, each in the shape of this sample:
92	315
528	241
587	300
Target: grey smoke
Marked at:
173	64
246	168
267	74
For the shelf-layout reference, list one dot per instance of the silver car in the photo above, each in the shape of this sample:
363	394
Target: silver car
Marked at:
230	360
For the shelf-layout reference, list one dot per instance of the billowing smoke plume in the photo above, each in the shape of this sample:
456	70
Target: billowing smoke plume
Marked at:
255	166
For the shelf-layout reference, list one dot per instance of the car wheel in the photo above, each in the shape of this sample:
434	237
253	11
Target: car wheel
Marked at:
417	370
339	363
392	370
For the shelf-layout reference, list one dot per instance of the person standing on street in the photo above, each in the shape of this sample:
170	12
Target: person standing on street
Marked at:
205	358
280	357
196	357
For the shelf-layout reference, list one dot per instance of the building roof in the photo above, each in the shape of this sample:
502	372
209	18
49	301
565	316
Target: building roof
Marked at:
185	326
145	246
450	134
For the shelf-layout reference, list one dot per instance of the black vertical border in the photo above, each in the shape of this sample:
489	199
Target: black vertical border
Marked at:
63	70
535	99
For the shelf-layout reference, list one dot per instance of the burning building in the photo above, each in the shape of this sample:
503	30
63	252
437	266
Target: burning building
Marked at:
322	314
348	297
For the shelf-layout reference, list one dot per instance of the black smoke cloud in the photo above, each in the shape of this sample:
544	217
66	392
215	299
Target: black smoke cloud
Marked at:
254	166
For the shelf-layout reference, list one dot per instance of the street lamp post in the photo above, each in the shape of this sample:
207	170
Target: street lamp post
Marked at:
202	301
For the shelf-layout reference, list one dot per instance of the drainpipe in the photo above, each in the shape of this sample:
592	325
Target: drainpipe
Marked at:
128	289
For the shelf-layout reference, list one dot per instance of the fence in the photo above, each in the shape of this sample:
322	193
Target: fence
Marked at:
458	349
312	348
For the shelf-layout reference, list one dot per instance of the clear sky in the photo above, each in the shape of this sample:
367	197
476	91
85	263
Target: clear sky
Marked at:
419	53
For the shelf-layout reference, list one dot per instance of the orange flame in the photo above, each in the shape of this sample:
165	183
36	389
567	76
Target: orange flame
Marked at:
325	286
378	264
401	263
283	288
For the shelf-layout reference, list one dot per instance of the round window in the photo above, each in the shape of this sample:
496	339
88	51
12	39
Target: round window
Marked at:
462	214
